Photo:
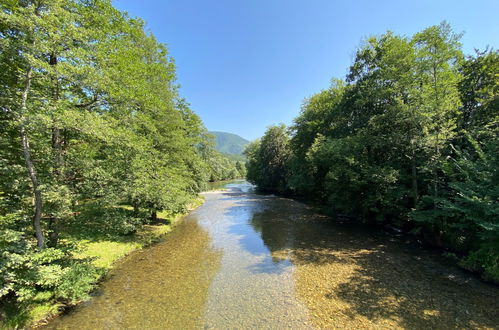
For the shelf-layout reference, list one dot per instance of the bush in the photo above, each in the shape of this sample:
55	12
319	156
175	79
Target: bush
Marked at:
77	280
116	221
485	261
28	274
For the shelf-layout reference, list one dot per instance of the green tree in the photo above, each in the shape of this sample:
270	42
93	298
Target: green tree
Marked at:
90	114
438	58
408	139
479	90
268	160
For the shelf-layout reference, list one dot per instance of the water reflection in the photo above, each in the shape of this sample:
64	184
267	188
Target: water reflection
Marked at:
234	185
251	289
261	234
351	276
252	261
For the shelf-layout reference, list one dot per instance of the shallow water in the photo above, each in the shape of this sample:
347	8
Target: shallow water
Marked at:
243	260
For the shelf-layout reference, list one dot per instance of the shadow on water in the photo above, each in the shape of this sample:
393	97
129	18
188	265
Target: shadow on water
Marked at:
244	260
248	224
350	276
374	279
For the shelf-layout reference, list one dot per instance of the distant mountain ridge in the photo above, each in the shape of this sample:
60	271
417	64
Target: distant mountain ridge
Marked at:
229	143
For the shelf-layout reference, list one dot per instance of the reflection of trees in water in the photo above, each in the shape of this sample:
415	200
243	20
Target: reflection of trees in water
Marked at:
269	227
350	277
345	276
166	286
286	225
273	230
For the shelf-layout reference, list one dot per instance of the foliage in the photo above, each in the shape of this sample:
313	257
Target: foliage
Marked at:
408	139
221	167
27	273
471	208
268	158
78	280
90	113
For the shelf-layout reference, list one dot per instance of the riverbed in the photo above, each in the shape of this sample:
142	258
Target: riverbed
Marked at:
244	260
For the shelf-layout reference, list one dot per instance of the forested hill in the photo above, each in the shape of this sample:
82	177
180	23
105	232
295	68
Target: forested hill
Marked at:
229	143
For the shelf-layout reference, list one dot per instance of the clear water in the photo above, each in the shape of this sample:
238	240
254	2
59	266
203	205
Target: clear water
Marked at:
243	260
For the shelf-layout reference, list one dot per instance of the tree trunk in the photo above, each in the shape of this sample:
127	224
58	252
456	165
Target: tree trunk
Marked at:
29	165
154	215
57	157
435	172
414	175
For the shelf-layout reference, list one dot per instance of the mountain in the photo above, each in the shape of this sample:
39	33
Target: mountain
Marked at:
229	143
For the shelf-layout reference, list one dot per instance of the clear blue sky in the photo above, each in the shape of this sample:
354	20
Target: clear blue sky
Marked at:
246	64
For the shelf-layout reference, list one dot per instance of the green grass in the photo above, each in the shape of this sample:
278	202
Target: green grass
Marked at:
97	241
105	253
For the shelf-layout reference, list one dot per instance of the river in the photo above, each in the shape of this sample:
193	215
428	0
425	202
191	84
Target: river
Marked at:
244	260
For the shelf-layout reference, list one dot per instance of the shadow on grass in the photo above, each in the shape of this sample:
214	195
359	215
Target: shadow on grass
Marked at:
96	234
94	222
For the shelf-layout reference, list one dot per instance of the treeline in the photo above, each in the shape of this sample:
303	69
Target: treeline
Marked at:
89	114
225	167
409	138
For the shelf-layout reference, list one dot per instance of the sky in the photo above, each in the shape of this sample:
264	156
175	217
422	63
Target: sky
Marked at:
244	65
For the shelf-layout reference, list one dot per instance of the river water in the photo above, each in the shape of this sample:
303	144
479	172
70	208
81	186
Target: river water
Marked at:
244	260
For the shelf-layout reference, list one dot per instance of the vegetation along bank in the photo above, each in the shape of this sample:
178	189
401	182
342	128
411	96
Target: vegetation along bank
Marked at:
408	139
96	146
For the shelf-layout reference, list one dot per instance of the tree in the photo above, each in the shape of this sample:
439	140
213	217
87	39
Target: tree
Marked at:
438	57
268	160
409	139
479	90
90	114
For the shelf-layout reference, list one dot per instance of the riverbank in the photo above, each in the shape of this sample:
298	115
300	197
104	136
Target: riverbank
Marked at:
105	251
452	256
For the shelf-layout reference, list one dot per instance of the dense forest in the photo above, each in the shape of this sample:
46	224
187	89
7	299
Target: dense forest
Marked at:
409	139
94	135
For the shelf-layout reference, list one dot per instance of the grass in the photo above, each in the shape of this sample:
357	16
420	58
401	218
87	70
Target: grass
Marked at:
103	244
105	253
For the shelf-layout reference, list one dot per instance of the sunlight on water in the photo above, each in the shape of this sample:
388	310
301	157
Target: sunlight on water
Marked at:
253	261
